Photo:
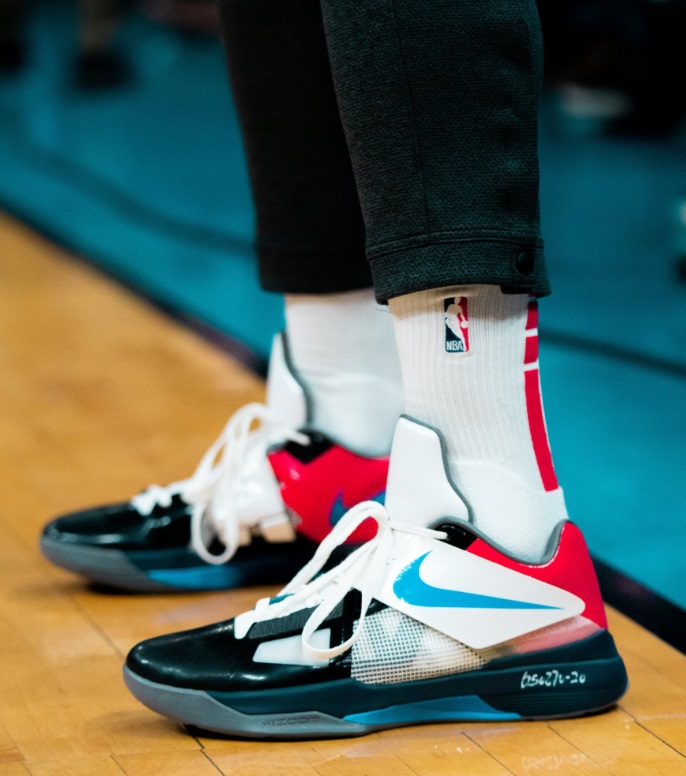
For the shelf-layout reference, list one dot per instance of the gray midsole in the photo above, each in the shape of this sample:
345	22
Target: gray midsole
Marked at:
195	707
99	564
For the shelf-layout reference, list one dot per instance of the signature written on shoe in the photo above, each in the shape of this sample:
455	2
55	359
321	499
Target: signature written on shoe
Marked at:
551	678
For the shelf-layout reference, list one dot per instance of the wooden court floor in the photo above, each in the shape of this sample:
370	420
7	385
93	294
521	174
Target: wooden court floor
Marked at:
101	395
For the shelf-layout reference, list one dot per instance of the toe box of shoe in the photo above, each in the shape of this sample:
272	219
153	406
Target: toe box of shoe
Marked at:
213	659
202	658
122	527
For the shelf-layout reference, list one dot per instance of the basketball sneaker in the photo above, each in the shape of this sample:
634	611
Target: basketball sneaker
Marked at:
427	621
253	512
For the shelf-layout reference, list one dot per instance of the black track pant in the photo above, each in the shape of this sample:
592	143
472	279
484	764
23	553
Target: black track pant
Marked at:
390	142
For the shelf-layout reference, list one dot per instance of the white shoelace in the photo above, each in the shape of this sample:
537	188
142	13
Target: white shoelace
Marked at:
363	569
212	489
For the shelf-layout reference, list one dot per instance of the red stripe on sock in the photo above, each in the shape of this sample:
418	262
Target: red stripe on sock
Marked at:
532	316
539	434
531	350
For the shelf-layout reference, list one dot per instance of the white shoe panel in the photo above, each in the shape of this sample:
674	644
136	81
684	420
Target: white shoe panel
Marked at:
419	491
289	650
473	600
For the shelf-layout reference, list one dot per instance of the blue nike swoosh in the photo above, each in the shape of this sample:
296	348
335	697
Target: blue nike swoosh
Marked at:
338	508
412	589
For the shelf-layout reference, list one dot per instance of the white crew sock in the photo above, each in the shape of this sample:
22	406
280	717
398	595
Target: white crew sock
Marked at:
469	358
343	346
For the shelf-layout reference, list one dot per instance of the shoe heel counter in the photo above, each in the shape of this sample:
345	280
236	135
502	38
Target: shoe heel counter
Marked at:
577	573
570	569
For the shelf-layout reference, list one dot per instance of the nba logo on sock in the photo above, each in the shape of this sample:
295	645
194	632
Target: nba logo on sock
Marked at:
456	314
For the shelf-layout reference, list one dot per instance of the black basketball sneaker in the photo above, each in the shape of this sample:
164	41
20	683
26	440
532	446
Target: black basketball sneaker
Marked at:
427	621
253	512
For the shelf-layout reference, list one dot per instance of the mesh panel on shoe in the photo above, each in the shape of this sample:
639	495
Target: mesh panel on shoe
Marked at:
395	648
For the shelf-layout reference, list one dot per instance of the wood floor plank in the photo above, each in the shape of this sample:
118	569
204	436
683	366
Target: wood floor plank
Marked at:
532	747
344	758
445	752
75	766
9	751
255	758
657	674
102	395
640	645
13	769
621	746
169	764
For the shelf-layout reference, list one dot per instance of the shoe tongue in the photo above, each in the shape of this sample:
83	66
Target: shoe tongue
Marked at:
286	396
419	491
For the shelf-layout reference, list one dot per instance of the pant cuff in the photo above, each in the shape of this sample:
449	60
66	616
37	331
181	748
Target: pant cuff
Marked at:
516	265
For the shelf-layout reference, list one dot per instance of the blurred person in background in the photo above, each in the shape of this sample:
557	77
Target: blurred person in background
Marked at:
12	46
195	17
618	61
98	62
